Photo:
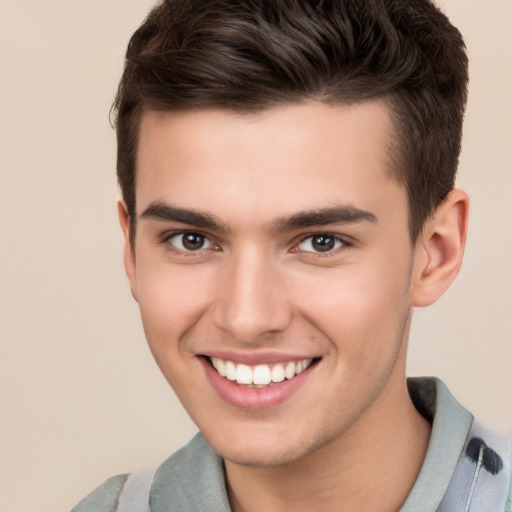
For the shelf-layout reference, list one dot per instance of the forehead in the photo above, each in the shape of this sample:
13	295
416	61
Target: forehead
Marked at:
285	159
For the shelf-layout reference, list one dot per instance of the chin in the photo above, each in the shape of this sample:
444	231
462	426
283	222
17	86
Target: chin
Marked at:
267	449
255	456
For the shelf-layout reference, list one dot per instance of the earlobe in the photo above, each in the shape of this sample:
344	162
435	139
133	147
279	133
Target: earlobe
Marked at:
128	251
440	249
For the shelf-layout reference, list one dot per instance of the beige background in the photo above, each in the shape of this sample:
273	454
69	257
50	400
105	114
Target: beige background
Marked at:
81	398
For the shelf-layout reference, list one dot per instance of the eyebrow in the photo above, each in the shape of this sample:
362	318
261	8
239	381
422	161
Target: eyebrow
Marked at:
167	213
321	217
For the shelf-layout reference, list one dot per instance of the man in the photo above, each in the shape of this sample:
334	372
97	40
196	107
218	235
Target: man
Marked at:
287	171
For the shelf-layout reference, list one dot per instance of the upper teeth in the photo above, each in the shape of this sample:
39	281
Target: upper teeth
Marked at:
261	374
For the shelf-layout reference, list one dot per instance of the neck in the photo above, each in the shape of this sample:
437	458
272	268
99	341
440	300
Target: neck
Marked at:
372	466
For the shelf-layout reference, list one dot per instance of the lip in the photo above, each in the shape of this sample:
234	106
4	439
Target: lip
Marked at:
255	399
255	358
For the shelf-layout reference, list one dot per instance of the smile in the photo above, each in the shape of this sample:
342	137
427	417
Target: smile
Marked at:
261	375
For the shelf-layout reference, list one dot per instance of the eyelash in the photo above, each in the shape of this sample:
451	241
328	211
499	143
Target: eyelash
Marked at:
166	240
343	241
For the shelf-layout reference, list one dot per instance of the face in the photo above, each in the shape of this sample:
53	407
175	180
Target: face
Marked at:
272	266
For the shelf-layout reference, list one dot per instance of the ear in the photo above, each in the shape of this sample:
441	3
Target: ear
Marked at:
128	251
439	249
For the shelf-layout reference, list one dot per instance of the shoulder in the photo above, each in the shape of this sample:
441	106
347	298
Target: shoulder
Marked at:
465	463
508	507
191	479
104	498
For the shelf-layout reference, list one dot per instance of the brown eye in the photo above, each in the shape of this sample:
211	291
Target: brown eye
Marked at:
190	241
193	241
322	242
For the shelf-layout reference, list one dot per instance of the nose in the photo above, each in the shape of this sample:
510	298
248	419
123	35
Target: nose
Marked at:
252	304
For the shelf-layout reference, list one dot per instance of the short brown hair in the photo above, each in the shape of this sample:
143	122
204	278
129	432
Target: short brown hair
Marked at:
250	55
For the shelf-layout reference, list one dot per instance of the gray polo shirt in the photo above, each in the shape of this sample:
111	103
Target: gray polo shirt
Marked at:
466	467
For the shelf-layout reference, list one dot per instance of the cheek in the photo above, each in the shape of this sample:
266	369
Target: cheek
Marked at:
361	310
171	299
171	302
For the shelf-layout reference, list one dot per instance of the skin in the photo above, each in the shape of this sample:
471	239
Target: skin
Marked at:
258	286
